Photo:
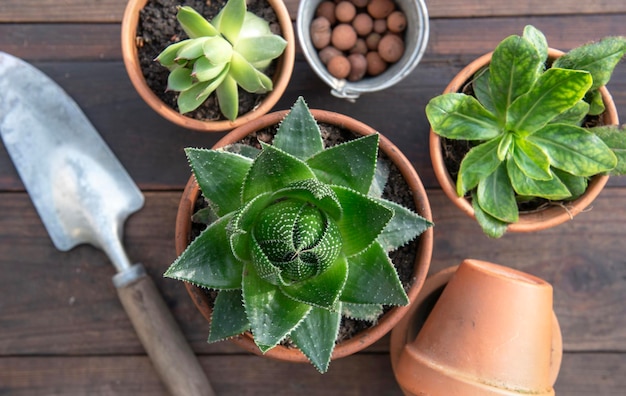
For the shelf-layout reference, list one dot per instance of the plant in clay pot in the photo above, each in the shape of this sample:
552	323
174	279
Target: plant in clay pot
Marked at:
214	70
298	236
526	118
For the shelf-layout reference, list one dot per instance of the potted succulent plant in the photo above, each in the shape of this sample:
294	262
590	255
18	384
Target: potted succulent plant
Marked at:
533	127
205	68
299	236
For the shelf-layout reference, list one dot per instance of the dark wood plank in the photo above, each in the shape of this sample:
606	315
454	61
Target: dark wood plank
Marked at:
362	374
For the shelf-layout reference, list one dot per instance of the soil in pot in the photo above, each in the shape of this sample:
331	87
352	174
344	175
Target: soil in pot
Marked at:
158	28
396	190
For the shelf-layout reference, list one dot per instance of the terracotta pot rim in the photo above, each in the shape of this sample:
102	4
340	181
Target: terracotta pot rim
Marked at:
281	79
422	260
528	221
407	328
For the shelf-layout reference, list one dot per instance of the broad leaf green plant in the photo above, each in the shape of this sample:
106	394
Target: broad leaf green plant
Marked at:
299	235
524	120
230	51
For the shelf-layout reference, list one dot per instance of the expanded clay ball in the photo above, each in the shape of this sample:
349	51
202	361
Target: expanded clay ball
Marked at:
380	25
363	24
391	48
339	67
320	32
380	8
358	67
375	64
360	3
345	11
327	10
360	47
326	54
372	41
343	37
396	22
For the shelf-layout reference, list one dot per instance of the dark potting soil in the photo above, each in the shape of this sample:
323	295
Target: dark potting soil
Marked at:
158	28
396	190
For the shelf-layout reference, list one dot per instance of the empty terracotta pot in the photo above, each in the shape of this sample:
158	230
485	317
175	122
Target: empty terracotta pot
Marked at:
479	329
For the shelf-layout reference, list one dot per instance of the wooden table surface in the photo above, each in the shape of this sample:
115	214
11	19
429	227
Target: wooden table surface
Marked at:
62	328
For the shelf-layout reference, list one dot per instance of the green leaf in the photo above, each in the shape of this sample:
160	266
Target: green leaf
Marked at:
599	59
372	279
523	185
230	19
220	175
477	164
576	185
496	196
459	116
323	290
537	38
179	79
596	103
169	55
261	48
228	97
505	146
314	192
480	84
362	222
247	77
573	116
192	98
491	226
574	150
193	49
381	176
298	134
239	229
556	91
615	139
404	226
217	50
194	24
229	316
208	260
531	160
272	315
513	71
351	164
272	170
316	336
204	70
367	312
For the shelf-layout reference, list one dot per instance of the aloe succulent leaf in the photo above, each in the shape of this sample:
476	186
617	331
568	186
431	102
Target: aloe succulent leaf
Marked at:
230	19
239	229
351	164
322	290
480	84
367	312
246	75
169	55
193	49
531	160
575	115
204	70
243	149
477	164
217	50
512	71
362	221
314	192
491	226
404	226
316	335
496	196
208	260
372	279
272	315
229	316
261	48
265	268
272	170
298	133
523	185
381	176
179	79
576	185
220	175
599	59
228	97
574	149
459	116
556	91
615	139
194	24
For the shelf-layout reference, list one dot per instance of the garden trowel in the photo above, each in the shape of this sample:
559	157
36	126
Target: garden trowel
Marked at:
83	195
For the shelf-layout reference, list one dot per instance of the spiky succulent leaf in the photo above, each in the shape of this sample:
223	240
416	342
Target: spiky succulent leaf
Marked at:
367	312
298	134
404	226
315	336
229	316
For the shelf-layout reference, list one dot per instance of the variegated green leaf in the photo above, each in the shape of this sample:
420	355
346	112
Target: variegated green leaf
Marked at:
574	150
229	316
574	116
480	84
576	185
298	133
373	264
496	196
556	91
505	146
194	24
477	164
513	71
596	103
523	185
316	335
537	38
351	164
459	116
531	160
491	226
615	139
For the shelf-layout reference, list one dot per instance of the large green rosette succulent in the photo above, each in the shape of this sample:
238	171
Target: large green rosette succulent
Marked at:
299	235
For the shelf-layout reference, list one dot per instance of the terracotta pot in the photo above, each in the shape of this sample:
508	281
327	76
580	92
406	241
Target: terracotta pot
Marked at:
479	329
422	260
280	79
528	221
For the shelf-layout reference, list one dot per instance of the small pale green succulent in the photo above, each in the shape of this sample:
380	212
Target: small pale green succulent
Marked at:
230	51
524	120
299	235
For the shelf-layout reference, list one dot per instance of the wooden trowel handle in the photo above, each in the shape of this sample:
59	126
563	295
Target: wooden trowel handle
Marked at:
160	335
